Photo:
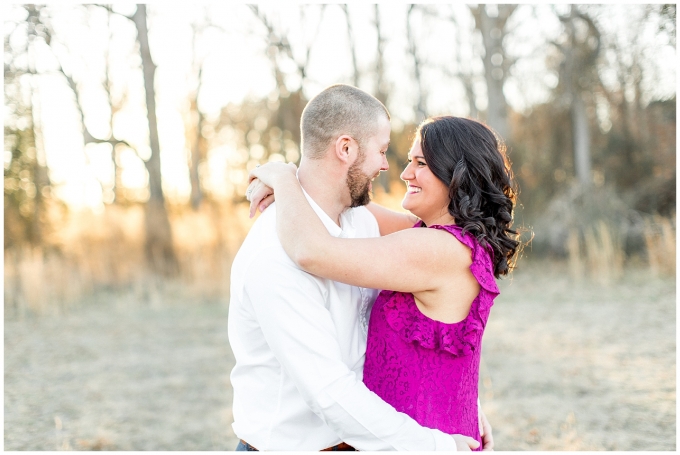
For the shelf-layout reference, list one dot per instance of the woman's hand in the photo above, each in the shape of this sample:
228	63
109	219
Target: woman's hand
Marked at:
259	195
485	432
270	173
262	179
465	443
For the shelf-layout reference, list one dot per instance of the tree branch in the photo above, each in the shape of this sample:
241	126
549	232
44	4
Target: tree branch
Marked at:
109	8
422	112
352	48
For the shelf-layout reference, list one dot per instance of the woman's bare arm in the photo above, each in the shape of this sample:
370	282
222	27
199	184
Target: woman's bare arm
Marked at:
411	260
390	221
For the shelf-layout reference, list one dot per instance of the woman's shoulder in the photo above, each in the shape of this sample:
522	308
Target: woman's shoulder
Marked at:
463	243
481	257
466	238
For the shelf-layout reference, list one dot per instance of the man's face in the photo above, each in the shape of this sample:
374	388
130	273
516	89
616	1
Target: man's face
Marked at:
368	164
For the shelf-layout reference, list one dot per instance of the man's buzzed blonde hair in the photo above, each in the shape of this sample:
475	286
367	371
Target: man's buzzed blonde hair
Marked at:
339	109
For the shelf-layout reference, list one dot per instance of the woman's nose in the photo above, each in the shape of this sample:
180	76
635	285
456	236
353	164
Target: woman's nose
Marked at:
406	174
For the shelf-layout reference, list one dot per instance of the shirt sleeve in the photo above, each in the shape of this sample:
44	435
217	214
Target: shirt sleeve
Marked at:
289	306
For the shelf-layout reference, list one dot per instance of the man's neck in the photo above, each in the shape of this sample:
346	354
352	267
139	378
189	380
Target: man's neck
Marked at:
323	187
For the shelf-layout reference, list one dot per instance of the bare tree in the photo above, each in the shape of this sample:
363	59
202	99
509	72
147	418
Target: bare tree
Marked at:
26	180
421	110
668	16
291	104
158	247
39	16
381	90
352	47
458	69
114	107
579	52
25	144
465	74
196	141
197	118
636	64
491	21
631	115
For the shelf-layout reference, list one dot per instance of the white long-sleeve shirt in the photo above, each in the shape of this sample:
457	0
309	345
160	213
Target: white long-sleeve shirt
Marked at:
299	343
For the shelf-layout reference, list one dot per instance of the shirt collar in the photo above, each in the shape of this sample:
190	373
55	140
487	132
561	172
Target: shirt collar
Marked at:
346	219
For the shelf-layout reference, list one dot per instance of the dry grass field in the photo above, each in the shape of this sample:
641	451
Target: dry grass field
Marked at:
566	366
579	366
120	375
100	355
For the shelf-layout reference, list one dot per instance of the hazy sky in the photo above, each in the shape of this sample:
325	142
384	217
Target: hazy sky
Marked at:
235	67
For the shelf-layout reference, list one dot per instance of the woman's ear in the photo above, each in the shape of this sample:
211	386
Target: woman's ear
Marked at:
345	148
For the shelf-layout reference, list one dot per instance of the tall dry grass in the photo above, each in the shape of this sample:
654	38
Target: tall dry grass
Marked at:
604	252
598	251
659	236
91	252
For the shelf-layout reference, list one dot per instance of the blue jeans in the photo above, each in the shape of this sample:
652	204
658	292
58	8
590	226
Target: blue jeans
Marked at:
241	447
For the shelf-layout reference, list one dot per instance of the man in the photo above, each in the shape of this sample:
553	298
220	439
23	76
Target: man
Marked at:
300	340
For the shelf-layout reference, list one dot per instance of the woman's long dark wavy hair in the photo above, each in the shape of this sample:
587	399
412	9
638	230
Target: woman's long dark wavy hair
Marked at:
471	161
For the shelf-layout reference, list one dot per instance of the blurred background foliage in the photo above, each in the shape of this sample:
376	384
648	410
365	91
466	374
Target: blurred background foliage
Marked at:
583	95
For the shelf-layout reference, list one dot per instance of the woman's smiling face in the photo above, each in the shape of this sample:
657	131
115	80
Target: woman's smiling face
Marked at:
426	197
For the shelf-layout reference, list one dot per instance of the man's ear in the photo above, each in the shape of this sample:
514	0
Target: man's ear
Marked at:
346	148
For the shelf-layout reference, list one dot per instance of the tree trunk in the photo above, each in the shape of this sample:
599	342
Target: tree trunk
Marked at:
581	132
158	248
465	76
352	48
578	62
196	157
421	110
381	92
496	64
463	72
197	149
471	97
40	178
118	196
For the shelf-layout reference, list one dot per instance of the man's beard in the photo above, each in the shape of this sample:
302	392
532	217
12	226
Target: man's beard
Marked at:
358	183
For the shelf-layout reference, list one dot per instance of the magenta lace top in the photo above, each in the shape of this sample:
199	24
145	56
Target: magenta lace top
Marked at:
426	368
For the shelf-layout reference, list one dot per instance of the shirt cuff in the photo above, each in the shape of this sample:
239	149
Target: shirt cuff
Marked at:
443	441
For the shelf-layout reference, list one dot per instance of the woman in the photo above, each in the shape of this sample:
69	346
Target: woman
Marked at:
425	332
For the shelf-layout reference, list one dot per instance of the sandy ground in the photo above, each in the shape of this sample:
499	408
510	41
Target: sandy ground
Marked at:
565	367
569	366
116	377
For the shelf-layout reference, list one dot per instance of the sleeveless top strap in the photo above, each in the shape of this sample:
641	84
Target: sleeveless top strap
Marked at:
460	338
482	258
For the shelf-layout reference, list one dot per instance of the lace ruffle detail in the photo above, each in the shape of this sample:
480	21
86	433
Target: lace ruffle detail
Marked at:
460	338
404	317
